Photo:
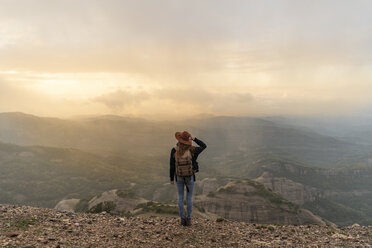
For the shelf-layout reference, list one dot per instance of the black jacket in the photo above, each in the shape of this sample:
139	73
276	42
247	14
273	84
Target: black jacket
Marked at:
195	155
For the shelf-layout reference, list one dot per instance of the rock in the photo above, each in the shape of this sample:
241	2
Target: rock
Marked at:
206	185
12	234
339	236
293	191
67	205
114	202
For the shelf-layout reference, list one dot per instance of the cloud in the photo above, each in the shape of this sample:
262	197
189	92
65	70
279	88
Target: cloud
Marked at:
211	56
211	101
174	101
164	39
120	99
19	96
186	94
241	97
14	98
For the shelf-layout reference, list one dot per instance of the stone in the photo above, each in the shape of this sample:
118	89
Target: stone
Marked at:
12	234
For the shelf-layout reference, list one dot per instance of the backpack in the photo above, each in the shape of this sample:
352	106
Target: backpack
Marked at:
184	166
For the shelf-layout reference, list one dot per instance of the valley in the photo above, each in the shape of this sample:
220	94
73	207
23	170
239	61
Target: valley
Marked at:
48	160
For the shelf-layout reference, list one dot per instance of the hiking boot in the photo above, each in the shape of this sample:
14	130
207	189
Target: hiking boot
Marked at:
188	222
183	221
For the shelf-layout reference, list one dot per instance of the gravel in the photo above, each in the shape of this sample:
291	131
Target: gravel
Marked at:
24	226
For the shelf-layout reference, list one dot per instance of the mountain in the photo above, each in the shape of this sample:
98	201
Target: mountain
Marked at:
341	195
224	136
233	134
91	134
42	176
355	128
251	202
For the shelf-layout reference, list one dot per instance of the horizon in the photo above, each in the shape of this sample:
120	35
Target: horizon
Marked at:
352	120
169	60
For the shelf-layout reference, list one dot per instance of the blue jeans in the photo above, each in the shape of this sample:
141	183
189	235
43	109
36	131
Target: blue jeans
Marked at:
181	181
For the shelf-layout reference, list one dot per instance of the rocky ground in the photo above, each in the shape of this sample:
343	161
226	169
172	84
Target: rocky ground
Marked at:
23	226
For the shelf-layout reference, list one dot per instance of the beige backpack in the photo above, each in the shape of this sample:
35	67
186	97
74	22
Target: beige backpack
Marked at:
184	164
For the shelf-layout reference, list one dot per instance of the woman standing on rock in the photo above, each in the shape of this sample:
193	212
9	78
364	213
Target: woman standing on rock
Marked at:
183	163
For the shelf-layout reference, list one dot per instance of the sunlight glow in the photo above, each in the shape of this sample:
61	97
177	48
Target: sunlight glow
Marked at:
78	86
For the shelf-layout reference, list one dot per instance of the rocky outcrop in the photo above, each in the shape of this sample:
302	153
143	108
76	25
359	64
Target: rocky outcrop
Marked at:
300	193
24	226
251	202
115	201
206	185
67	205
290	190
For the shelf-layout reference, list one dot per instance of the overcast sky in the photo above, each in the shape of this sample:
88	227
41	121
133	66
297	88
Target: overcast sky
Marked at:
166	59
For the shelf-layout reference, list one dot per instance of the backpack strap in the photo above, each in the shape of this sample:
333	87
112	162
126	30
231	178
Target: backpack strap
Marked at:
187	188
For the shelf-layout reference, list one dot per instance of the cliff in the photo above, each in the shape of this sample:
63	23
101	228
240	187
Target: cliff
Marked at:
250	201
290	190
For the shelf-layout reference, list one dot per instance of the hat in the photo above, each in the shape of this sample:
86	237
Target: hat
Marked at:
183	137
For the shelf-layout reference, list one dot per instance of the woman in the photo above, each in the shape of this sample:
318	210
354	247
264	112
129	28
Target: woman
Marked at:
183	163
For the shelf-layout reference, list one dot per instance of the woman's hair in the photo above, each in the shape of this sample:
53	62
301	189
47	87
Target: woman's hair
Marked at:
182	148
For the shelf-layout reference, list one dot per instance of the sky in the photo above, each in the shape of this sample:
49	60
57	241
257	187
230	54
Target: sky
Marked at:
174	59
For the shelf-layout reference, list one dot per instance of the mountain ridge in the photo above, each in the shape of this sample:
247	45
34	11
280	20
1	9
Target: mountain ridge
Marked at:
118	135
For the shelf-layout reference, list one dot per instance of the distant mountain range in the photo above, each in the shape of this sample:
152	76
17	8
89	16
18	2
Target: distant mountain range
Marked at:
224	136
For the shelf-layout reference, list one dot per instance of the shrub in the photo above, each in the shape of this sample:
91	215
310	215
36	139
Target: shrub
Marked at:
82	206
220	219
145	204
211	194
158	208
20	224
273	197
108	207
201	209
126	194
230	190
261	227
330	232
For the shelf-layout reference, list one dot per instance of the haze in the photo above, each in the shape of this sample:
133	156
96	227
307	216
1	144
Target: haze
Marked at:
167	59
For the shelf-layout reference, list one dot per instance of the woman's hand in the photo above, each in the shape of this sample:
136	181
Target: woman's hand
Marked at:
172	182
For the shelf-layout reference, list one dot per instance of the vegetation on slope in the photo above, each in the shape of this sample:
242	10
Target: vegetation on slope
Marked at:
42	176
259	190
338	213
